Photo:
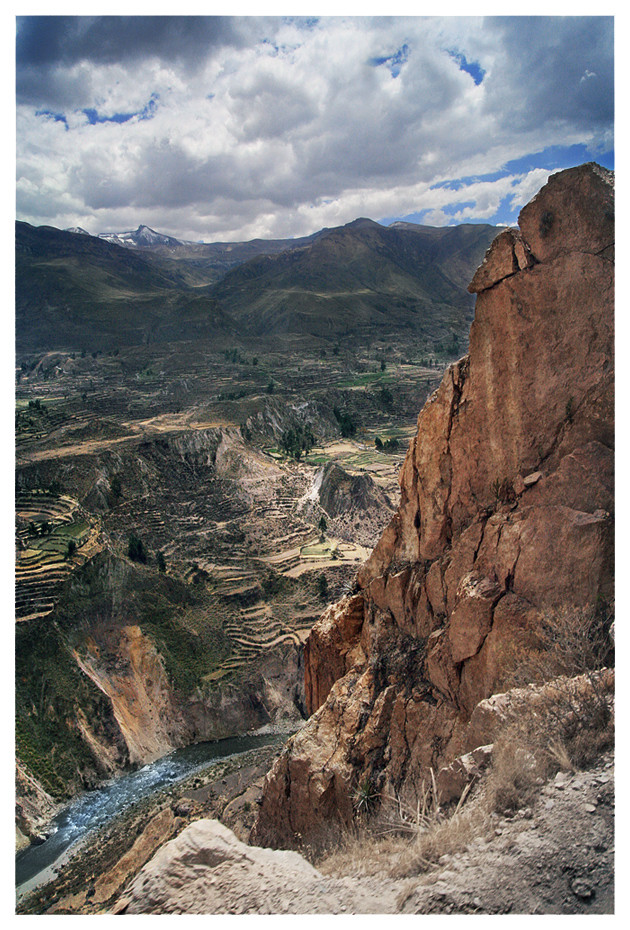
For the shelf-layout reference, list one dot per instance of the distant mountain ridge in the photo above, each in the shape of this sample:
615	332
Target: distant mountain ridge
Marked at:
75	290
358	278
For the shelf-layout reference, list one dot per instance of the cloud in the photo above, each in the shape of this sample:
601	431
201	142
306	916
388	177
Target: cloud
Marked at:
217	128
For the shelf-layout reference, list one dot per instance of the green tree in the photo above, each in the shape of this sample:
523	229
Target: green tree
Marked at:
161	561
322	587
346	423
136	550
297	440
386	397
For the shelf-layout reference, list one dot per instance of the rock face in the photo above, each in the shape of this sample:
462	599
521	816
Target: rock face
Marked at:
138	689
207	870
505	514
355	507
34	808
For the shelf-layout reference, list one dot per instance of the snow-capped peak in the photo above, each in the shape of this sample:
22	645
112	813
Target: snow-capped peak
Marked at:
142	237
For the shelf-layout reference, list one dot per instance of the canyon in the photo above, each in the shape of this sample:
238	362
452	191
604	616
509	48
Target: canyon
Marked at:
497	553
505	519
175	537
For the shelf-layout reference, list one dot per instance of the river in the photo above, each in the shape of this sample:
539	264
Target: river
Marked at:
95	808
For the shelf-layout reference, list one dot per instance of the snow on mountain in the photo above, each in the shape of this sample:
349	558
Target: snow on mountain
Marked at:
142	237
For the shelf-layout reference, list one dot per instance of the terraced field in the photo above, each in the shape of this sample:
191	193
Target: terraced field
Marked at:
54	535
180	448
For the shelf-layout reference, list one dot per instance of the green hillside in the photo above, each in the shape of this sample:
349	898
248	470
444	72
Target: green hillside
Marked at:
75	291
358	279
79	292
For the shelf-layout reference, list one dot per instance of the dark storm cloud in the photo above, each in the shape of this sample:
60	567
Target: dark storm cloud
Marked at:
43	40
47	46
555	68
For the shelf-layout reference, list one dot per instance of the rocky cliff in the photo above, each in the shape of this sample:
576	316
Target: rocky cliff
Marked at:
505	516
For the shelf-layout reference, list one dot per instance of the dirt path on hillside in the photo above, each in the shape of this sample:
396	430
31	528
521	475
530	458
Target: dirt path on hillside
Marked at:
556	857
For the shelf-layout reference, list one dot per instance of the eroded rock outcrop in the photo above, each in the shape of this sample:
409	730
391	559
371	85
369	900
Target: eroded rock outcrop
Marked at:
207	870
505	514
125	665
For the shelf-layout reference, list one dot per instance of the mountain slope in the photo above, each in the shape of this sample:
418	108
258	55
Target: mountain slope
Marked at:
76	291
359	279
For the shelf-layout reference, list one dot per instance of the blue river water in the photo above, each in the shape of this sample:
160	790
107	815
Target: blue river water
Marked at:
95	808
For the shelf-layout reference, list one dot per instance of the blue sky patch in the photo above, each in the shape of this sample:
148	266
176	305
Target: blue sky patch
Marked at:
473	68
57	117
394	62
147	112
418	217
558	157
452	208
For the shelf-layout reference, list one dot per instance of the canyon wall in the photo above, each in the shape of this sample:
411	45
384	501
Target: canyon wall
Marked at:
506	515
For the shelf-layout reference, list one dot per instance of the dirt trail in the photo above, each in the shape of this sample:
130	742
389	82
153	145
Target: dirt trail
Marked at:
556	857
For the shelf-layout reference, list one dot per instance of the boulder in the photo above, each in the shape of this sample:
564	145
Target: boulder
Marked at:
207	870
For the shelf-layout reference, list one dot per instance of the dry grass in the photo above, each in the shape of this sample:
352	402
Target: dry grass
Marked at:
402	841
569	648
564	724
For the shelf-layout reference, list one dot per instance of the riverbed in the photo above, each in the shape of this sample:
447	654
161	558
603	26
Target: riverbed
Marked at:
89	811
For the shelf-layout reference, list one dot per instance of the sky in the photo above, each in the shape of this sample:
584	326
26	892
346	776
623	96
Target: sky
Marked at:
229	128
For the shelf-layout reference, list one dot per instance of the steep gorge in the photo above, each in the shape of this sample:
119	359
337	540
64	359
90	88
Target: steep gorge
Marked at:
506	515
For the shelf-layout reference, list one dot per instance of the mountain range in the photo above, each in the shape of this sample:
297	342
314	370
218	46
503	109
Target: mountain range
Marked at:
78	291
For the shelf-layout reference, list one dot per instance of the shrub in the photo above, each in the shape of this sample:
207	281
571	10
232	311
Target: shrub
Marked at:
322	587
136	550
346	423
365	797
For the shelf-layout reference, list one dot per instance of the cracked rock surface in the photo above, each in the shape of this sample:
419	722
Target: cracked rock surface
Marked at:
506	513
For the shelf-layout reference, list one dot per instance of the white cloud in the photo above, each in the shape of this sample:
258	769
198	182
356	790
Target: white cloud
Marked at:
282	136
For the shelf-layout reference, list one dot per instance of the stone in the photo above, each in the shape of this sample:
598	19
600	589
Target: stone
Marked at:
500	262
331	649
471	620
581	888
507	496
454	778
207	870
573	212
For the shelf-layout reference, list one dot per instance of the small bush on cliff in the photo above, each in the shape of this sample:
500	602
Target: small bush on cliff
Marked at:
571	647
365	797
136	550
322	587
